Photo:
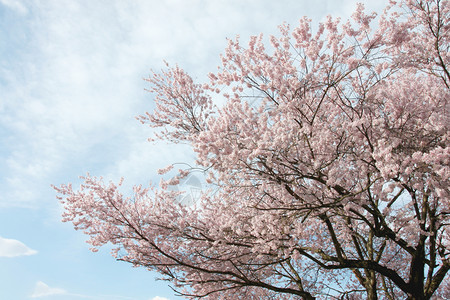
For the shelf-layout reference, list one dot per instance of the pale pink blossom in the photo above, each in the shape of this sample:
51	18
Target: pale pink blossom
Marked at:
327	164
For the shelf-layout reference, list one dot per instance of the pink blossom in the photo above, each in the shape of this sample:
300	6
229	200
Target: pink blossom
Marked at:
327	164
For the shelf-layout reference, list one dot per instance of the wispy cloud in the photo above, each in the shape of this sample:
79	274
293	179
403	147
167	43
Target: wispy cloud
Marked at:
14	248
159	298
15	5
43	290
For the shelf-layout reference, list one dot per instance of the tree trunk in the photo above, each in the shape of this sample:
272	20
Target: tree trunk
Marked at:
371	286
417	275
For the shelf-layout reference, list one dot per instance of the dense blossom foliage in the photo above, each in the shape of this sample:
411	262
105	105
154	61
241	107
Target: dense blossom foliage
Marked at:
328	165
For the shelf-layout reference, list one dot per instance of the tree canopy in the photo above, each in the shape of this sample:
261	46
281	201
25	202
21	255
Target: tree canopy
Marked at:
328	166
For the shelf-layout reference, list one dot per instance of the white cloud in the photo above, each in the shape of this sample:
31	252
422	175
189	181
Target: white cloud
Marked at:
15	5
13	248
159	298
43	290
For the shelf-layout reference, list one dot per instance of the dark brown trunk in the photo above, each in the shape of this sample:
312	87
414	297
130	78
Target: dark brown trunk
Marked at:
417	275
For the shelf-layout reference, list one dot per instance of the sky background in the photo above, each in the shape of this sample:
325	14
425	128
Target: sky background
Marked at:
71	84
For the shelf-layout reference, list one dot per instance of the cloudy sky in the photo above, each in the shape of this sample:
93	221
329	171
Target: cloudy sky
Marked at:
70	86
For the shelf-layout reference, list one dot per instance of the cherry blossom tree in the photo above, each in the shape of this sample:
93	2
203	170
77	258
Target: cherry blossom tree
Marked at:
327	164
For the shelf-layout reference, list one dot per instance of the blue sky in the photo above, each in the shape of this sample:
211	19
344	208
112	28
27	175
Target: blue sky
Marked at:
70	86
